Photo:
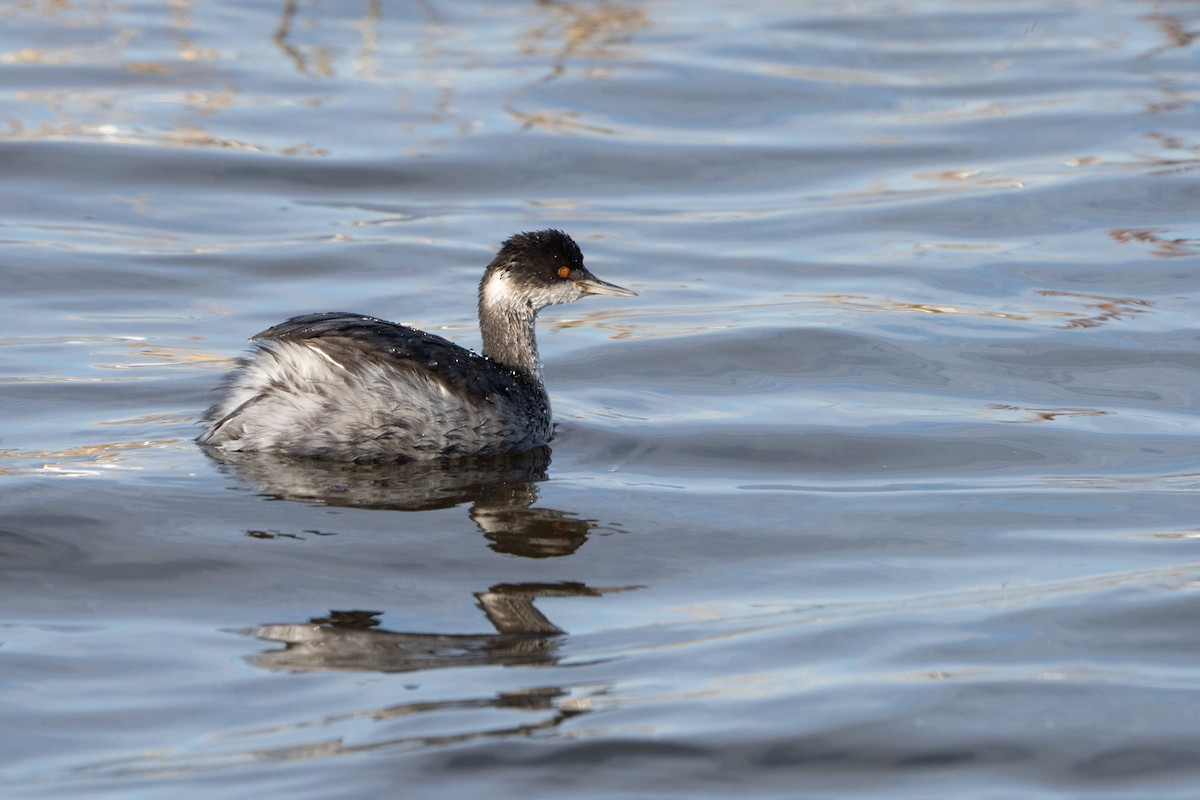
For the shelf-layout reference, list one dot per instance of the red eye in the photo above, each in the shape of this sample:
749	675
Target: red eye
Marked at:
564	272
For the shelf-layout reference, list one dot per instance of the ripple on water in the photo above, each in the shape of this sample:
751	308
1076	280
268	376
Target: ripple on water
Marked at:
884	485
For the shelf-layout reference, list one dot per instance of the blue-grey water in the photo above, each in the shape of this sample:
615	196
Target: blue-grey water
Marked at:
885	486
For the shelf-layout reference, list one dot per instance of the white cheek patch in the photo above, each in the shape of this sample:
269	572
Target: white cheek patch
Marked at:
499	290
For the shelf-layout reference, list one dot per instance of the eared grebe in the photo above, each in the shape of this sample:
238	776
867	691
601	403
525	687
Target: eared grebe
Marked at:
354	388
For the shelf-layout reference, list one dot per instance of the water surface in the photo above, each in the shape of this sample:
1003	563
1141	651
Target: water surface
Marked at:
884	486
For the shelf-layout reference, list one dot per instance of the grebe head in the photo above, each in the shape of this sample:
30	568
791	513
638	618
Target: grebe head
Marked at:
539	269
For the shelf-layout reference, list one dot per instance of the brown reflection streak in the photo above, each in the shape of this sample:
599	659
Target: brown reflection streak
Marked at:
109	49
181	20
584	33
1192	534
321	55
1173	30
171	355
1108	309
318	59
106	454
884	305
365	64
1160	245
931	183
1044	414
1172	165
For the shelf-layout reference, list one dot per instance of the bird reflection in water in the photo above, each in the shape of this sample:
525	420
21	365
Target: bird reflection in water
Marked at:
500	489
352	640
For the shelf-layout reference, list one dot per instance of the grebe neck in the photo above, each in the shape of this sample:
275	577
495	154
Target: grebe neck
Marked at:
506	322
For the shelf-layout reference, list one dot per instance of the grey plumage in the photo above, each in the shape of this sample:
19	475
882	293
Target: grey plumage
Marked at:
351	387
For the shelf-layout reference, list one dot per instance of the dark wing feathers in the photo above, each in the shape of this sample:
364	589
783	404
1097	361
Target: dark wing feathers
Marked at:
311	326
361	339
